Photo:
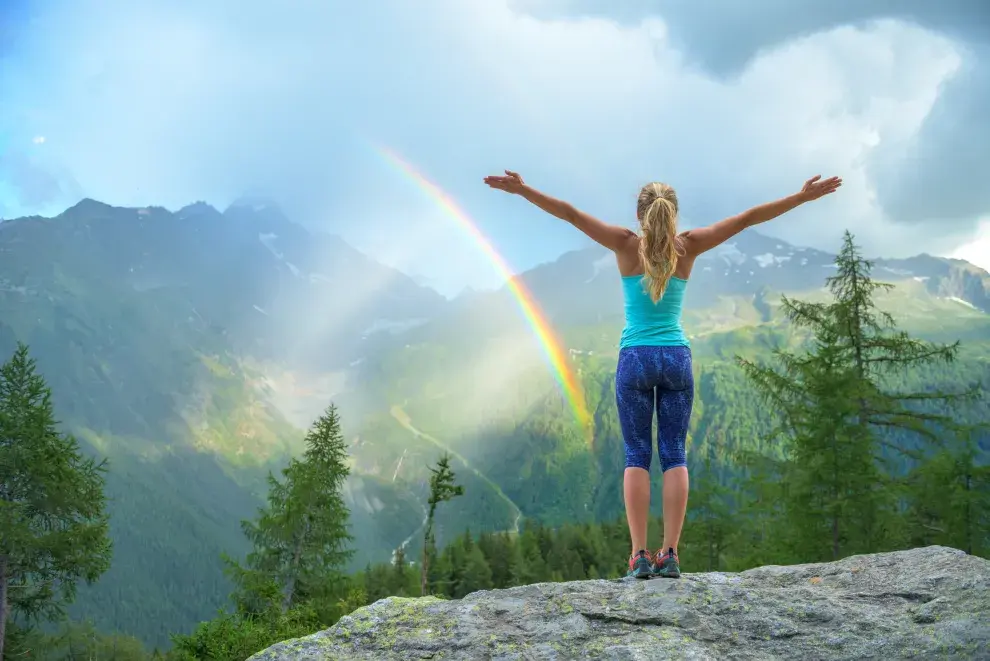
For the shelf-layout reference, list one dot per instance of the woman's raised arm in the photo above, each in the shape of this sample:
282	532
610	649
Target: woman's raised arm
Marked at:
612	237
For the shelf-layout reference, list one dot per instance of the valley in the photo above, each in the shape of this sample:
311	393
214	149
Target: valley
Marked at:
193	348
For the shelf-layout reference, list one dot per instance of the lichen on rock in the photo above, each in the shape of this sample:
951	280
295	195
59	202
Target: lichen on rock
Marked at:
922	603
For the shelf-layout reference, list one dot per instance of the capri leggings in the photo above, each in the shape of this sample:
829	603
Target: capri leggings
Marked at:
648	380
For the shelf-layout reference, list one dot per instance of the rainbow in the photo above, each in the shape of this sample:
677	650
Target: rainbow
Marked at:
552	346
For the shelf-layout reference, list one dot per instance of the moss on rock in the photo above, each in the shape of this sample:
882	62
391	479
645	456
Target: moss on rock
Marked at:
932	602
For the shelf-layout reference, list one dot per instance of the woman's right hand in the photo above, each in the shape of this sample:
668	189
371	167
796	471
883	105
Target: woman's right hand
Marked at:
817	187
510	183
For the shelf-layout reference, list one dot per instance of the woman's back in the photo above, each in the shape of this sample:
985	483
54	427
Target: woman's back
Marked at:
654	376
649	323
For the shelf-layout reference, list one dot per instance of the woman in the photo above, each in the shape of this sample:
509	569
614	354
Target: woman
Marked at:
654	368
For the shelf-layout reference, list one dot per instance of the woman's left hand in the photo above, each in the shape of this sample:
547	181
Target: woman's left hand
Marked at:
510	183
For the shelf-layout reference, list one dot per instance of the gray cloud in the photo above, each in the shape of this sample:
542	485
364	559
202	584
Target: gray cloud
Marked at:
724	36
164	102
940	175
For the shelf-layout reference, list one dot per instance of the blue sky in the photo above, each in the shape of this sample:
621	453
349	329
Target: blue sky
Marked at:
138	102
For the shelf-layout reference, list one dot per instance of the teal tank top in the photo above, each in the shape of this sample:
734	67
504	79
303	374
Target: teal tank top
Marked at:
653	324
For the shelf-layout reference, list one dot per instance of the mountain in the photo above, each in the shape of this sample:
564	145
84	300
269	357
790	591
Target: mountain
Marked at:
153	329
476	378
193	348
580	287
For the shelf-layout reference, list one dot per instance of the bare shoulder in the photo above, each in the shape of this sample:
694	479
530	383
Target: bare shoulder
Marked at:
689	244
627	257
687	253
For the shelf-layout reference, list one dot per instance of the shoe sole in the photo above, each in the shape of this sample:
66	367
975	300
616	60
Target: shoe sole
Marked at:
668	573
641	573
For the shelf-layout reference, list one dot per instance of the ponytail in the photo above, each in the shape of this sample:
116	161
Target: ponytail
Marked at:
658	246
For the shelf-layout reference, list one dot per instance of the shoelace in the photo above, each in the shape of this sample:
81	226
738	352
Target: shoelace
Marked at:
663	555
641	554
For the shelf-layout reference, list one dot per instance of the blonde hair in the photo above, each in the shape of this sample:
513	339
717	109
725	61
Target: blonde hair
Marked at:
659	249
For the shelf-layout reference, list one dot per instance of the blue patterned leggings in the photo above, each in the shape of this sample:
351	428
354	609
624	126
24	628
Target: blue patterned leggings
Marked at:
656	379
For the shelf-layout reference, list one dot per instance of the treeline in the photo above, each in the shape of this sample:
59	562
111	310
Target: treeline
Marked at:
835	486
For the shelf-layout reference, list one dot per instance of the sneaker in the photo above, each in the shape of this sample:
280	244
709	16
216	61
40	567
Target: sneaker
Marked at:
641	565
666	565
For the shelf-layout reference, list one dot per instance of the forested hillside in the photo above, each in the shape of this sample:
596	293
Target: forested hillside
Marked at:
193	350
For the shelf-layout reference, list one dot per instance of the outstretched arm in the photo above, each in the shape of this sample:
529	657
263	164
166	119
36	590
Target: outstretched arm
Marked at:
702	239
612	237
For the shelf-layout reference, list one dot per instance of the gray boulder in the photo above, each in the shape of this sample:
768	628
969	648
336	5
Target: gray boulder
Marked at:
931	603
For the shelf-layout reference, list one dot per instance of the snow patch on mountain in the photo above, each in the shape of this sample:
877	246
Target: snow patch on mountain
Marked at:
730	253
598	265
962	302
393	326
768	259
268	241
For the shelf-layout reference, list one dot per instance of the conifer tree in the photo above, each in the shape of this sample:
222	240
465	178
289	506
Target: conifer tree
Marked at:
470	571
711	517
301	540
949	500
53	523
443	488
532	564
836	408
760	507
400	579
502	554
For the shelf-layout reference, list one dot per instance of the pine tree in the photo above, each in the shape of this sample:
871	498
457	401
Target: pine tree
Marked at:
949	500
760	511
400	578
471	571
442	489
711	518
836	410
53	523
502	554
301	540
532	564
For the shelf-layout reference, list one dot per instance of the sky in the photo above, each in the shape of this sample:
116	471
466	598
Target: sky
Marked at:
167	102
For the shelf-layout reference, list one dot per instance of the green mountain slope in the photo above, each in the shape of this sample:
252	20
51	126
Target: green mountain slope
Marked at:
133	322
192	349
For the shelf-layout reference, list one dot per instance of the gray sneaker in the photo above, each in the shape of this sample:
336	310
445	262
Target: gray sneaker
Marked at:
666	565
641	565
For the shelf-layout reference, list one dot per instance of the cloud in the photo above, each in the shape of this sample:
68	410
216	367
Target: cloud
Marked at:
171	101
977	250
723	38
34	185
932	176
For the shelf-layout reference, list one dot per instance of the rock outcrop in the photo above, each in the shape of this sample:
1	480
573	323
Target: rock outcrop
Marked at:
930	603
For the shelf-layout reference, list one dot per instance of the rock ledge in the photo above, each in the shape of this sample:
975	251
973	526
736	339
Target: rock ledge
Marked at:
923	603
